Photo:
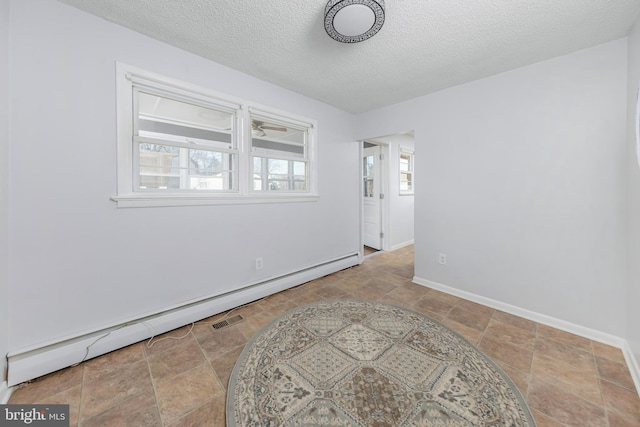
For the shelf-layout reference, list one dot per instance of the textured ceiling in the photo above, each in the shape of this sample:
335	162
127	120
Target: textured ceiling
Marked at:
424	45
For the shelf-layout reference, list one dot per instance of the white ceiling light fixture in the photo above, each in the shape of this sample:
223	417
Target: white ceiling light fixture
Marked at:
353	21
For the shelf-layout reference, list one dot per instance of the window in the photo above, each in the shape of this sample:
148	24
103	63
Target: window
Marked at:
183	145
406	171
279	153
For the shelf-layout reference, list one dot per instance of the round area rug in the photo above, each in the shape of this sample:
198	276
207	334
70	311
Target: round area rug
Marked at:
362	363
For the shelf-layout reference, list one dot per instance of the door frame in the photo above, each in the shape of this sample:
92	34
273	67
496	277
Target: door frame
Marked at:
384	187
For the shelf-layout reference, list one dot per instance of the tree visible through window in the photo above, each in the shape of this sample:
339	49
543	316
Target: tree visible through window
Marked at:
183	145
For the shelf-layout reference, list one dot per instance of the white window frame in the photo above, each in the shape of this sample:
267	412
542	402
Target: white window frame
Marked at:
129	78
306	158
411	171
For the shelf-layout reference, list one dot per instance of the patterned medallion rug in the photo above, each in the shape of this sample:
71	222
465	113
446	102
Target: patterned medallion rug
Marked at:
362	363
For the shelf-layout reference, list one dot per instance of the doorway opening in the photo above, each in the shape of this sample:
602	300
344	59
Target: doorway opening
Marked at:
387	192
373	193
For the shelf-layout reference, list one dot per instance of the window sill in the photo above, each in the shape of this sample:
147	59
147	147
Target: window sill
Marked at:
165	200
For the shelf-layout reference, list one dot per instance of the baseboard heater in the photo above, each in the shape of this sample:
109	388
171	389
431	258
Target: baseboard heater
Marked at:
30	363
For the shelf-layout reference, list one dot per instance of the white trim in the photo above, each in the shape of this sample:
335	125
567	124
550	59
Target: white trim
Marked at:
28	363
5	393
632	364
553	322
563	325
637	124
159	200
402	245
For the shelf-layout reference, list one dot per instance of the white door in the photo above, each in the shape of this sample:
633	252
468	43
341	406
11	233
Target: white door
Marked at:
371	207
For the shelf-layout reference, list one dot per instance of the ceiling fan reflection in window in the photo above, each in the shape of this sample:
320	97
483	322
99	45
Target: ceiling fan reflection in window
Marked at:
259	128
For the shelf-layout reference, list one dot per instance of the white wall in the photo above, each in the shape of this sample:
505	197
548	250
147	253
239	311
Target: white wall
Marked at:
4	186
78	263
401	207
521	181
633	188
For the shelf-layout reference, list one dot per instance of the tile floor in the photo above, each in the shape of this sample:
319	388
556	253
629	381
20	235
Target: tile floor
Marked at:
180	378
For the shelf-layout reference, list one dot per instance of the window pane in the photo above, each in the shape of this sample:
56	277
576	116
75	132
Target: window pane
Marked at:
279	175
274	139
165	167
405	182
405	163
159	166
174	120
368	165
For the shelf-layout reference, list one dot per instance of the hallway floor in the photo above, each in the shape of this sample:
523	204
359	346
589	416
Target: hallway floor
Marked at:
180	378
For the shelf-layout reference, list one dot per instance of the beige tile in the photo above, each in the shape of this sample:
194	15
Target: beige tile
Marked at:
187	391
140	411
565	407
223	365
222	341
48	385
435	316
205	326
520	322
471	314
619	399
620	420
510	354
253	324
113	387
565	353
433	303
511	333
162	342
103	365
519	378
472	335
211	414
615	372
544	421
110	361
175	360
71	397
379	286
564	337
388	299
296	292
608	352
581	382
330	292
442	296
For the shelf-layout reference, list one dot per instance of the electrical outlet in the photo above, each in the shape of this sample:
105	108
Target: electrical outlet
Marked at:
442	259
259	263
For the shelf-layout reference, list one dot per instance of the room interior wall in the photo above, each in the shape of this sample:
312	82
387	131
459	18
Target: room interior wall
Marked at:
521	181
4	191
77	262
633	197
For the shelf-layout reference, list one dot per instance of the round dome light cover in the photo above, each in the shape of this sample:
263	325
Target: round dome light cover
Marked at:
352	21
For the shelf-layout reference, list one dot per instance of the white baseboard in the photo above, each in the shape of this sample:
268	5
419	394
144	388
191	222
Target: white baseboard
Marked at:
5	393
553	322
632	364
527	314
402	245
34	362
